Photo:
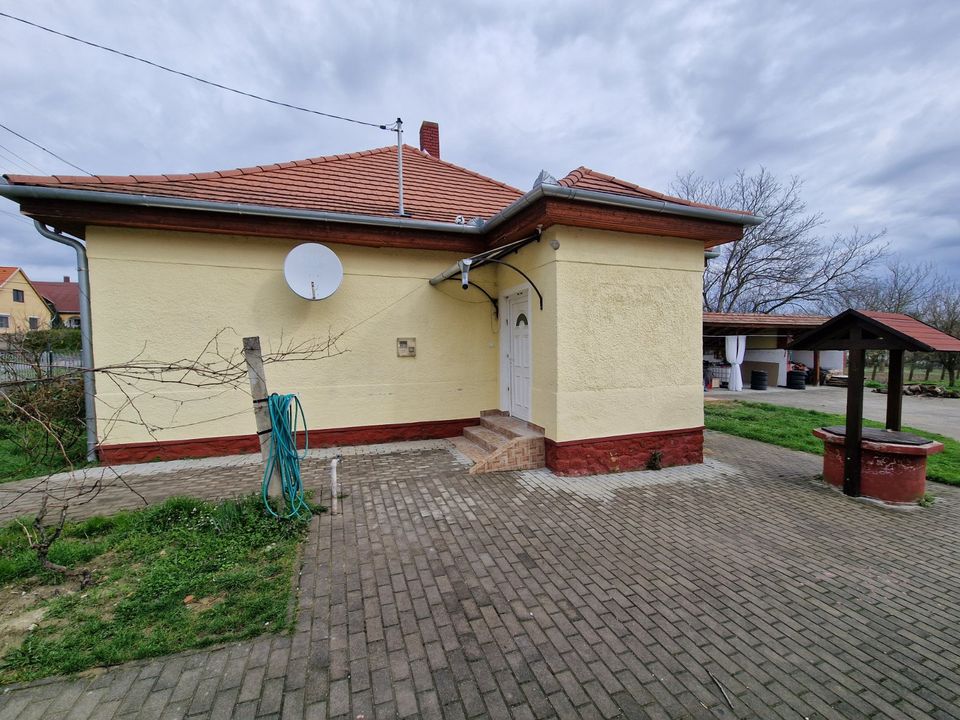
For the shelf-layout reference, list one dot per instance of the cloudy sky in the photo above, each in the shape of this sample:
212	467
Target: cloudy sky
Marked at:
860	99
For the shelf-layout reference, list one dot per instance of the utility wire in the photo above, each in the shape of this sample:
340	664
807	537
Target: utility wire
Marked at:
14	215
387	126
49	152
13	163
21	157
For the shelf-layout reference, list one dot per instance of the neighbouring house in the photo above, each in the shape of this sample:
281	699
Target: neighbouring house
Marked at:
766	338
22	307
64	300
581	316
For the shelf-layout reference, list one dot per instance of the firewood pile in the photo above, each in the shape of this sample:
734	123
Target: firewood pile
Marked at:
925	391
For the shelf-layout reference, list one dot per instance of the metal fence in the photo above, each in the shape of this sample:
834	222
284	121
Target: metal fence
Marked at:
19	365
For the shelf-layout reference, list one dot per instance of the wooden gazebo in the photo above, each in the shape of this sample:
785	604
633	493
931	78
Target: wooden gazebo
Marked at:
857	331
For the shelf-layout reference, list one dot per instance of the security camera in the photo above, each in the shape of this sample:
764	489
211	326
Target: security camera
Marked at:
465	273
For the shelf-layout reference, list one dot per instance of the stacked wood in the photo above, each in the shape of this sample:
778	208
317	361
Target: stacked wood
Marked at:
925	391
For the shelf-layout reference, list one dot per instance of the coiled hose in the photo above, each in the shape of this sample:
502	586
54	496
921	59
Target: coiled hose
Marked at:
286	417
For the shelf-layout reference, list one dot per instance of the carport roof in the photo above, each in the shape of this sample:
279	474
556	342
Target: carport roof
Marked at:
748	323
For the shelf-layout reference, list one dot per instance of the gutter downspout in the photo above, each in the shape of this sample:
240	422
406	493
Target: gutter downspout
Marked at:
86	336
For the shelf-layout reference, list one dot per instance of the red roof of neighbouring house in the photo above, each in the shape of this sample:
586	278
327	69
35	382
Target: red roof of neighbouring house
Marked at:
6	272
362	183
587	179
65	296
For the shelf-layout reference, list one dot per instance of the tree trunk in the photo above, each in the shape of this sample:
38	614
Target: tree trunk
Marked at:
926	375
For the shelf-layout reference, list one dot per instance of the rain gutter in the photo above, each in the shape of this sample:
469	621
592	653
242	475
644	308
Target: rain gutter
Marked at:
32	192
20	192
86	337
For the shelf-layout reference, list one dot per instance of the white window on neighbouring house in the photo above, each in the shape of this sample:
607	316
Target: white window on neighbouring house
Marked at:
18	295
4	321
74	322
34	323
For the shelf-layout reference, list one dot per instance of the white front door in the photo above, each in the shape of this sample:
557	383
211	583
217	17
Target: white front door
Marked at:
518	353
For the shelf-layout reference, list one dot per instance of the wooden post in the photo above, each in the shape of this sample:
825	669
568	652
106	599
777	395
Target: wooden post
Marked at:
895	390
258	391
854	432
815	380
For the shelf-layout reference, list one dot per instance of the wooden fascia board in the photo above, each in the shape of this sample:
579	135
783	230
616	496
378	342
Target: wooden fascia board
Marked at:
60	213
545	212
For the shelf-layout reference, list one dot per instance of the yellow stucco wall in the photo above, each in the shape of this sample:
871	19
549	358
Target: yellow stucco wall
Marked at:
19	314
761	343
537	260
162	295
629	334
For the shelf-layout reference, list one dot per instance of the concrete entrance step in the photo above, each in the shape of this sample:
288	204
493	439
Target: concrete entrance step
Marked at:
500	443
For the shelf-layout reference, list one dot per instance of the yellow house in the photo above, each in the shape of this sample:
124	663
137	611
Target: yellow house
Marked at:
21	307
573	307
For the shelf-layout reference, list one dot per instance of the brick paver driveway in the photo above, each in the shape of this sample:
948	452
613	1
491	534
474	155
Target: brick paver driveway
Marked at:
522	595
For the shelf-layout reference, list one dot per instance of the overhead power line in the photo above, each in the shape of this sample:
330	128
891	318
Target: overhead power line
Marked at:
21	157
384	126
46	150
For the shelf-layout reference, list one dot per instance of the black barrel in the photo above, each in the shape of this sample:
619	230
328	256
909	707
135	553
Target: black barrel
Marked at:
797	380
758	380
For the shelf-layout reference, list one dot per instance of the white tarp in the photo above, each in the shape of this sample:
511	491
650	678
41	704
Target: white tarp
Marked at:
736	345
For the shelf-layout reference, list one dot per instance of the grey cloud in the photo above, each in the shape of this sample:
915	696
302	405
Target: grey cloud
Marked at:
859	98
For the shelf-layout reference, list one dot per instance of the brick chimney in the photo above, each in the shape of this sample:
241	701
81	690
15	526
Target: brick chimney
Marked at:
430	138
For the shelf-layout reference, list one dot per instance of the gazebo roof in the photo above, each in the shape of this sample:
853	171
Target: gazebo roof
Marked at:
863	329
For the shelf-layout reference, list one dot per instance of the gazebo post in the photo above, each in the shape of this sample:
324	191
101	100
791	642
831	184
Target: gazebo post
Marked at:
895	390
854	431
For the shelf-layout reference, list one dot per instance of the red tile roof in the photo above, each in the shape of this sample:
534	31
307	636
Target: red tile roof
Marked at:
6	273
916	330
587	179
65	296
362	183
763	320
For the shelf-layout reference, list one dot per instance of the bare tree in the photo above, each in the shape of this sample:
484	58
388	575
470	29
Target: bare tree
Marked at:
783	263
942	310
902	288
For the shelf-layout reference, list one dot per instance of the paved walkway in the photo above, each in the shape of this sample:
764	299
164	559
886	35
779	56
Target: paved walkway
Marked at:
939	415
523	595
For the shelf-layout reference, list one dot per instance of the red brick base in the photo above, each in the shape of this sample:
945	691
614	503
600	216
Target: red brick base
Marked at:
625	452
239	444
891	473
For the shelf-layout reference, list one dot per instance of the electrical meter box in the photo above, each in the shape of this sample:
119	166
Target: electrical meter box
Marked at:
406	347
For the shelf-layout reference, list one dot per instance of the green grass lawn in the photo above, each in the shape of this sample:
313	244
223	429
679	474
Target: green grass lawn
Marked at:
14	465
180	575
791	428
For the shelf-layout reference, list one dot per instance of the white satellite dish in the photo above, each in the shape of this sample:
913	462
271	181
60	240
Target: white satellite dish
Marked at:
313	271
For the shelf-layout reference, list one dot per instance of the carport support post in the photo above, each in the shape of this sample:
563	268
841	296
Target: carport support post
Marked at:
258	391
815	380
854	432
895	390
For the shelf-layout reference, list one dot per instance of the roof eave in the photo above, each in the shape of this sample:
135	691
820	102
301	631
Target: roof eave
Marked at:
34	192
620	201
20	192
